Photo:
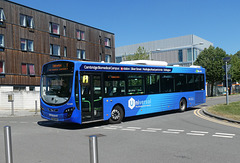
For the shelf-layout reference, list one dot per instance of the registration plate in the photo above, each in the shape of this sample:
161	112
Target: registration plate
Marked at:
54	119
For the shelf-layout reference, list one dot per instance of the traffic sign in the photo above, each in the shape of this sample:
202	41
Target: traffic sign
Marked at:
228	67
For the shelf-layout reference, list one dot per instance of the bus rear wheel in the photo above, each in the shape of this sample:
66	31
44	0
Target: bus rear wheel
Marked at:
182	105
116	115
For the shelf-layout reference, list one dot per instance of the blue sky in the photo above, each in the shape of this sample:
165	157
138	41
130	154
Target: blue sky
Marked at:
137	21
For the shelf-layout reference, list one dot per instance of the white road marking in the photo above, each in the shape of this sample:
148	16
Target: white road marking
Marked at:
174	130
128	129
170	132
227	134
149	130
200	132
116	126
223	136
155	129
109	128
136	128
195	134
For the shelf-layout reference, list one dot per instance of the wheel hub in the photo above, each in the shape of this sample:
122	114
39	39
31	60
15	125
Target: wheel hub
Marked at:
115	114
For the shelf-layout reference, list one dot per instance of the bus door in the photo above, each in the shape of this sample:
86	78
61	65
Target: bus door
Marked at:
91	97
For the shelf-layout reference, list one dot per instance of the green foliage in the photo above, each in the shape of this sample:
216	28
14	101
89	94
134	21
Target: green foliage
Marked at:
235	68
238	54
140	54
212	60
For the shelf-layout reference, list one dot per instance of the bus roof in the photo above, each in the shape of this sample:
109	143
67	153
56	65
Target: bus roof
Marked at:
132	68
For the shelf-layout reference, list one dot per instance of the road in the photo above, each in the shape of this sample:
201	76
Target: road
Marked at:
164	137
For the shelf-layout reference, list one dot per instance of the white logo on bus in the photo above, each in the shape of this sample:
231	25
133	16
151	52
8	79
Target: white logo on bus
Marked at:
131	103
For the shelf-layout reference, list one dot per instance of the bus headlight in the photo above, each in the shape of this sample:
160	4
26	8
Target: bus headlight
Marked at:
69	111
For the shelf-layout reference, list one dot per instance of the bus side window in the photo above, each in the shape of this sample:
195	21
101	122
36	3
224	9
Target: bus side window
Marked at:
114	85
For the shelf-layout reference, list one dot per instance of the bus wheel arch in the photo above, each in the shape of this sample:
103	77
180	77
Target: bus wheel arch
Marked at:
183	104
117	114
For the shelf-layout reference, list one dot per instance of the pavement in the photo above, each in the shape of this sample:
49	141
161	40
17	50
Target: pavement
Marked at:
18	113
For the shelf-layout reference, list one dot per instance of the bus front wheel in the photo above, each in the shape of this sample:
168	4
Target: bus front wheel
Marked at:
116	115
182	105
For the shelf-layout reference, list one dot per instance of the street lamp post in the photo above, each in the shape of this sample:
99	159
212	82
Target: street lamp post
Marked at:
226	60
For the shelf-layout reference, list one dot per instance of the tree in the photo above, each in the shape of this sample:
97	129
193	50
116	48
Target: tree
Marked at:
140	54
238	54
235	67
212	60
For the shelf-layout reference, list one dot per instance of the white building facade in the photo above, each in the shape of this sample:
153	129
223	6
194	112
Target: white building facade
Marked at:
182	51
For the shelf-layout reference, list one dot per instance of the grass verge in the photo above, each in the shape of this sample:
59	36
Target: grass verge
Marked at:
231	111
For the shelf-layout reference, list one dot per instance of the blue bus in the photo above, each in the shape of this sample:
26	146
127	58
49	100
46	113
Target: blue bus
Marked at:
82	92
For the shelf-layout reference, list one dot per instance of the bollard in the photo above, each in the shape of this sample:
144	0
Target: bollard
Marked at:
93	147
35	106
8	144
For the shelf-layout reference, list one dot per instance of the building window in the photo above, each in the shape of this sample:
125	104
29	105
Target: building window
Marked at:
100	57
28	69
2	16
81	54
54	28
64	30
1	41
2	67
107	58
118	59
189	55
23	44
31	88
195	53
107	42
26	21
80	35
65	51
26	45
54	50
180	56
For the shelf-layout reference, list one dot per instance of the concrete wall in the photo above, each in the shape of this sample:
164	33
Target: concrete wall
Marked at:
22	99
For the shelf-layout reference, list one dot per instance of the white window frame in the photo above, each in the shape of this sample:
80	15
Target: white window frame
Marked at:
65	51
28	45
107	58
81	54
51	24
54	48
79	35
26	21
23	42
64	30
107	42
2	41
2	15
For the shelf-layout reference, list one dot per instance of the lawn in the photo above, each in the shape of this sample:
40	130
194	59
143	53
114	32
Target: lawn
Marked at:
231	111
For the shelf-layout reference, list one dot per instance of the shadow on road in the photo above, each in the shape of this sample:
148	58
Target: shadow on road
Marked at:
70	126
75	126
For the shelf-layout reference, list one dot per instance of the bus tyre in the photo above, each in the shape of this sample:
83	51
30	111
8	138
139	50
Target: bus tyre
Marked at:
116	115
182	105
